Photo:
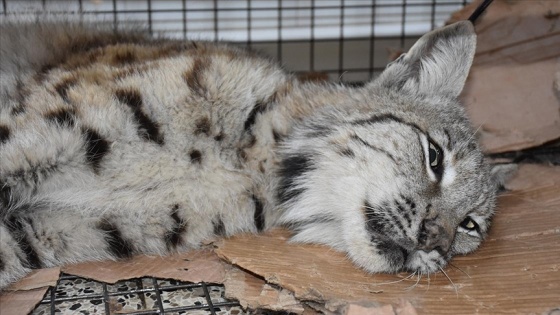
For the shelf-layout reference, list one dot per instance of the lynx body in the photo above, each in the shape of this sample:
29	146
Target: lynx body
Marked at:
119	144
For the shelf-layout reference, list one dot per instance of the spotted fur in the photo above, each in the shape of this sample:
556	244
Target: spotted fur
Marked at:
113	145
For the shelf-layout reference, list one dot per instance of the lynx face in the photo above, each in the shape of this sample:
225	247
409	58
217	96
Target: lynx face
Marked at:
401	187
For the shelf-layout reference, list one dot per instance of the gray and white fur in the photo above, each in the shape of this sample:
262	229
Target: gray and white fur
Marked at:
116	144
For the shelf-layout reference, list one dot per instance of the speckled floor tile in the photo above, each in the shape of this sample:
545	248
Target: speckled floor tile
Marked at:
176	298
77	287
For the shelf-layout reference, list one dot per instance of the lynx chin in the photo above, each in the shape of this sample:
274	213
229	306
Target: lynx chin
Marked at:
116	144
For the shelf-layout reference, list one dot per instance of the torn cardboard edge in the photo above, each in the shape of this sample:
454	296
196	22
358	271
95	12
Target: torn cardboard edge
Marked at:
253	293
193	266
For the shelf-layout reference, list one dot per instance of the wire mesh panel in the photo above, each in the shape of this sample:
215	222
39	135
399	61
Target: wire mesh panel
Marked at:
75	295
350	40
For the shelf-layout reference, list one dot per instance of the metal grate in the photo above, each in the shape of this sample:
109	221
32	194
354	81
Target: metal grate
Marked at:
75	295
349	40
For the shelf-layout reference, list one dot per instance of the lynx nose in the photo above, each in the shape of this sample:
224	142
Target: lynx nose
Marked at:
434	236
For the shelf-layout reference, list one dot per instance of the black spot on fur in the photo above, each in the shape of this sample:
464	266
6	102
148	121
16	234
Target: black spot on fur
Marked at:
409	202
252	140
130	97
395	220
202	126
93	43
196	156
411	205
291	168
404	213
317	131
147	129
63	86
277	136
259	213
4	134
173	237
118	246
2	264
43	72
15	227
18	109
219	137
62	117
124	57
5	195
347	152
219	227
96	148
312	220
258	108
193	76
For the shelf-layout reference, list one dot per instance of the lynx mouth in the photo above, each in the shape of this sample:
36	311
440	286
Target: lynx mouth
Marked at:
425	262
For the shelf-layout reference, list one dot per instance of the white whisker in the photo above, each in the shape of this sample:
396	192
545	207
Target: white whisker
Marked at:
453	284
465	143
419	274
461	270
397	281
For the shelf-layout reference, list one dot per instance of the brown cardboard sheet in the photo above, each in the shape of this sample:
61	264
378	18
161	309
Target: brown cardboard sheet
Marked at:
511	94
37	279
20	302
253	292
193	266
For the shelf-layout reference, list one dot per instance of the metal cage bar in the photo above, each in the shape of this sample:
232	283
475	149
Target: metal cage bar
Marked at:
290	15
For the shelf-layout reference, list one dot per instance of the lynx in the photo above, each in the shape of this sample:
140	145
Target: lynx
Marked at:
117	144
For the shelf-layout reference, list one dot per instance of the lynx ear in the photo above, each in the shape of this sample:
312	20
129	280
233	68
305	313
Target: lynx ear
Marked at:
438	64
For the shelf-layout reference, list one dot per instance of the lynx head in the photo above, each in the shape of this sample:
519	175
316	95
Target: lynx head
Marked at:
392	174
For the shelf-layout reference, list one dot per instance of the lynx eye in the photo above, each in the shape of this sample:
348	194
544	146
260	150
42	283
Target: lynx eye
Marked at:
469	224
435	157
